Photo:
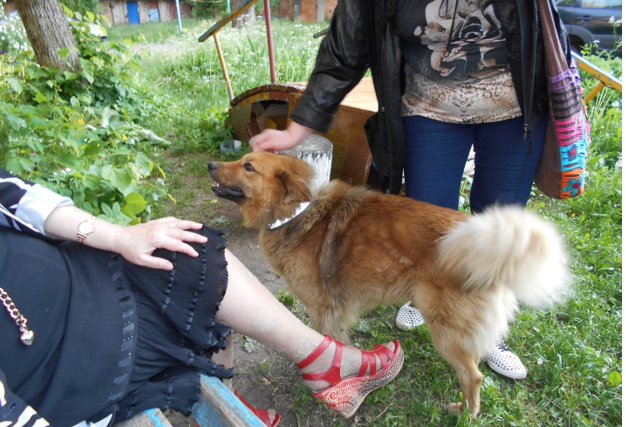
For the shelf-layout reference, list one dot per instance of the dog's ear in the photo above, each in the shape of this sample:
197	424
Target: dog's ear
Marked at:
296	183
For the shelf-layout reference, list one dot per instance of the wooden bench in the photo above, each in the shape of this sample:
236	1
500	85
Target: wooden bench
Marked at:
217	407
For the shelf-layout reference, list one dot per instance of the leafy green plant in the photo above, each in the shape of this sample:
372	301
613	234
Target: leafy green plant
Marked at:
75	132
286	298
208	9
274	6
82	6
611	64
217	9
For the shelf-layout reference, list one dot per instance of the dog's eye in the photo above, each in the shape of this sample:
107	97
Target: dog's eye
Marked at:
248	167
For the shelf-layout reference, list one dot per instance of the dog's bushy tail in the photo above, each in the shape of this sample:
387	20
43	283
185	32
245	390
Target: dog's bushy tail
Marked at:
507	246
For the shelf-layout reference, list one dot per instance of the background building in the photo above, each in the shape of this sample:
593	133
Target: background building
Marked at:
138	12
307	10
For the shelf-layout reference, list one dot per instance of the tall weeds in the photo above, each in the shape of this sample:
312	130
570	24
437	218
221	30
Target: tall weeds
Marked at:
193	83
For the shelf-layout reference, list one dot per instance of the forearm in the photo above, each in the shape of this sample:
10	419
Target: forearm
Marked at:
63	222
34	209
135	243
298	132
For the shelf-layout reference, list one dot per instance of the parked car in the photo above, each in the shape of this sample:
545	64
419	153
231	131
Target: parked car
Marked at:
592	21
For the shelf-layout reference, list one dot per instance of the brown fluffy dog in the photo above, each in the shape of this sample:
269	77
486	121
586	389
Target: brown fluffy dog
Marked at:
352	249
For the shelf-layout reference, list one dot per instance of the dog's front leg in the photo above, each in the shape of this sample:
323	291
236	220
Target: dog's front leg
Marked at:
326	321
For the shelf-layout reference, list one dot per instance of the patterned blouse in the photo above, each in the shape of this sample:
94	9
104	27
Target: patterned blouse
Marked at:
456	61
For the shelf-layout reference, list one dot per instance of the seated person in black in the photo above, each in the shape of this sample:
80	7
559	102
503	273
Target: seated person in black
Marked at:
100	321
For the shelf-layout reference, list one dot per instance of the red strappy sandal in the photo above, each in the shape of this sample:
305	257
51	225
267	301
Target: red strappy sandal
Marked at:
345	396
262	414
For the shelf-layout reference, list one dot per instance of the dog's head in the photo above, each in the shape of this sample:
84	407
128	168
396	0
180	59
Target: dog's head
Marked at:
266	186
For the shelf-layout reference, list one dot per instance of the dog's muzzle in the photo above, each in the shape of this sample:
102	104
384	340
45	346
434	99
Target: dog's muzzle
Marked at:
230	193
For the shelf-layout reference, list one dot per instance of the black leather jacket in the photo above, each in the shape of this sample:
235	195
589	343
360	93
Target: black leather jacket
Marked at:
361	37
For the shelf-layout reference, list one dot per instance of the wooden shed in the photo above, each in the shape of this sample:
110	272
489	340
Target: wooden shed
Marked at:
307	10
139	12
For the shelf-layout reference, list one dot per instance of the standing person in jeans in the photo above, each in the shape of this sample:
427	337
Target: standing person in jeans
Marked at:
448	75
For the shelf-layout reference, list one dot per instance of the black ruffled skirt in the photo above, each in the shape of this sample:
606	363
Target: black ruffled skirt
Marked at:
110	336
176	328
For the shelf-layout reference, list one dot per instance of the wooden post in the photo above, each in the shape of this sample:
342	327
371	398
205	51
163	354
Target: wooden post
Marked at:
270	40
219	407
223	64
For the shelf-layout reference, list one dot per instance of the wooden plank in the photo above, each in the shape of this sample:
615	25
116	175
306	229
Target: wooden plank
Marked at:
216	407
597	73
105	7
164	11
222	22
363	96
144	11
119	12
219	407
149	418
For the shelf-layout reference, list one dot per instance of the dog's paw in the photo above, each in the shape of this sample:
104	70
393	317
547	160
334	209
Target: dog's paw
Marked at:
456	408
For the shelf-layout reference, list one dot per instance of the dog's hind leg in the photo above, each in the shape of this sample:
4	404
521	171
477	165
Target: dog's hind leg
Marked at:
470	379
448	344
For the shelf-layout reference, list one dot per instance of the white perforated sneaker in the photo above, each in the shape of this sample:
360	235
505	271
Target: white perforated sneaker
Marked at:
506	363
409	317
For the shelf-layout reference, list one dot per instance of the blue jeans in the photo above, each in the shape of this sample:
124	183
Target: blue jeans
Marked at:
436	153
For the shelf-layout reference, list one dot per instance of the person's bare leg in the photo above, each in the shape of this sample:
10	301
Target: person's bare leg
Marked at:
225	358
250	309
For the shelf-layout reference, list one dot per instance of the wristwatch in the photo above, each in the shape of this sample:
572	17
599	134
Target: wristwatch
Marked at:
85	228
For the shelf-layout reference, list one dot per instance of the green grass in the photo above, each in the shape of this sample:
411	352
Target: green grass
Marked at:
153	32
192	83
573	352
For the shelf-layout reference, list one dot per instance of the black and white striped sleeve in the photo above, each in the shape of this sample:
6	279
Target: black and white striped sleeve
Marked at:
24	205
14	412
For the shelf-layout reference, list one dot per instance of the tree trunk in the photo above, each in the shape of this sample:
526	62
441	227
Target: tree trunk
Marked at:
48	31
246	19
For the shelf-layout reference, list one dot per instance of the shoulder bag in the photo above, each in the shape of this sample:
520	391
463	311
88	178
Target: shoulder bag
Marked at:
561	172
